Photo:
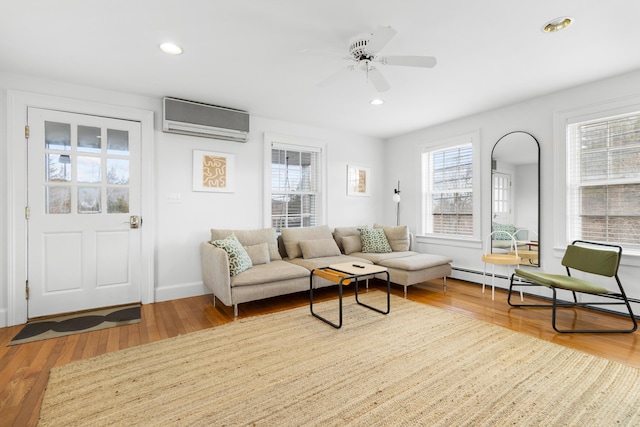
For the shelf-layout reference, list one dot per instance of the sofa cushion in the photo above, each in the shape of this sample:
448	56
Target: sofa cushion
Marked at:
352	244
313	263
378	258
318	248
339	233
275	271
416	262
239	260
398	237
252	237
259	253
291	237
374	240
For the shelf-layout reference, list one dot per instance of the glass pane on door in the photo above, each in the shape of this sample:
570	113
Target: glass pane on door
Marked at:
89	139
89	169
117	142
89	200
118	200
57	167
58	200
117	171
57	136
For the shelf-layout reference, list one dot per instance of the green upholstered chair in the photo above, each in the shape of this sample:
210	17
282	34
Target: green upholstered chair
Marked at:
593	258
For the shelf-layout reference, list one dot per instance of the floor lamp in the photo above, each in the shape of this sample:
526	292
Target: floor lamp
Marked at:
396	199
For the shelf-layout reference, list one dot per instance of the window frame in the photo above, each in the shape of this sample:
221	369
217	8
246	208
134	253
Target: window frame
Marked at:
469	138
294	143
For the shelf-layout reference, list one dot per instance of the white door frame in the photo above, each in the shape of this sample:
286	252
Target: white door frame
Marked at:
17	103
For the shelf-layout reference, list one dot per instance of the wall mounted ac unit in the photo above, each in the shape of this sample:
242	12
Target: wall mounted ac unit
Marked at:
209	121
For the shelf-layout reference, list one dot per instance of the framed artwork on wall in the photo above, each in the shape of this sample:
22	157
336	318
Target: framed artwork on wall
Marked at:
358	181
213	172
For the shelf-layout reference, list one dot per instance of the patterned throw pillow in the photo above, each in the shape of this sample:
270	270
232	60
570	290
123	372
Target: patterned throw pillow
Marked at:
509	228
239	260
374	241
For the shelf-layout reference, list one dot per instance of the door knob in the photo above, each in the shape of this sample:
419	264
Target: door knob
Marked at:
135	221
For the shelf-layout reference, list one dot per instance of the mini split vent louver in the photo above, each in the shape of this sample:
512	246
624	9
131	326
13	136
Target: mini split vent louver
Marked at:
209	121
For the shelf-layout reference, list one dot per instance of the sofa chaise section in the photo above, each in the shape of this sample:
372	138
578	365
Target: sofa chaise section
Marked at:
405	267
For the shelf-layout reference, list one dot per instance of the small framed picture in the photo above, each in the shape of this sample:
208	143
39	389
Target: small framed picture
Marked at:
358	180
213	172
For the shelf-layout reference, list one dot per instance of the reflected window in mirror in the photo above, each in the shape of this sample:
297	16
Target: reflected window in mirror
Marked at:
515	195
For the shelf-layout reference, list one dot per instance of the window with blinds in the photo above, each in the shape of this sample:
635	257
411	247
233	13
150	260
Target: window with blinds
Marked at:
295	186
448	190
603	161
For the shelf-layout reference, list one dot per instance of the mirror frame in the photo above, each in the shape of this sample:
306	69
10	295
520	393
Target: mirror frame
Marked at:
539	192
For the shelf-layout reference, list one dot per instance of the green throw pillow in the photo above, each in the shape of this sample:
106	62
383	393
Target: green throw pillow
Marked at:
374	241
239	260
509	228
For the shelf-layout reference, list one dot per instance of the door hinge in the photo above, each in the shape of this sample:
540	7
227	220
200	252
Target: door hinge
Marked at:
27	212
26	131
26	289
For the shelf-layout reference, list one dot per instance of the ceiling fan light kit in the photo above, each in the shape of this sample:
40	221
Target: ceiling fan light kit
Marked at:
364	49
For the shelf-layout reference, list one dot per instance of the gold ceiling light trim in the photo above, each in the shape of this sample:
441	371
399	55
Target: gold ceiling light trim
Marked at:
557	24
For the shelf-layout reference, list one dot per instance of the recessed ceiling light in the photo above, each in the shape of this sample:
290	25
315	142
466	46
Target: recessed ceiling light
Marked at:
376	101
557	24
171	48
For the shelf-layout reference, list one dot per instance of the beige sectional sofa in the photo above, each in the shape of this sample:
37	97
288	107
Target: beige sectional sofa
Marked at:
282	265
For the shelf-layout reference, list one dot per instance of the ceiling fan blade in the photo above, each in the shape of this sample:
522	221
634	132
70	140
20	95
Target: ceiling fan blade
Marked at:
378	80
380	38
410	61
336	76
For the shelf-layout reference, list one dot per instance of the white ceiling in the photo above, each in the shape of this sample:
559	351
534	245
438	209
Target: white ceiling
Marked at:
245	54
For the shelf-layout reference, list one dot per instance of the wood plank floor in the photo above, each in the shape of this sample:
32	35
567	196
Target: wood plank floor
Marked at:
24	369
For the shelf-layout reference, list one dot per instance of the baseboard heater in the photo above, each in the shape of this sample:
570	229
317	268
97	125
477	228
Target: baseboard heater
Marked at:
204	120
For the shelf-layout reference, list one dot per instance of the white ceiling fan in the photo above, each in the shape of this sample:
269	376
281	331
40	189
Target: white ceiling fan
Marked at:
364	50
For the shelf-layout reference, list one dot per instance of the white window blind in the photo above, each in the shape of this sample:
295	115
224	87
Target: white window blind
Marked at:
295	186
448	190
603	177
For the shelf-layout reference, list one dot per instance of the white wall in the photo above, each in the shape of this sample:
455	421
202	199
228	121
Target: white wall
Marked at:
535	116
181	225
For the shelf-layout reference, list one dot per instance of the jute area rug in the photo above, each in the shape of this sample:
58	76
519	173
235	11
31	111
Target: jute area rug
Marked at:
418	365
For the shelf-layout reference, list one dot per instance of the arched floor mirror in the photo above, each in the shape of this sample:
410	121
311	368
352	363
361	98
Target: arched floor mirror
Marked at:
515	195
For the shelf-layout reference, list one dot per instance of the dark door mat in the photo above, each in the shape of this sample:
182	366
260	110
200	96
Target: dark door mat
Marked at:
77	323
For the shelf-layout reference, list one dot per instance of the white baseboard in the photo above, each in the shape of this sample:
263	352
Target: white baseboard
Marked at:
4	315
183	290
474	276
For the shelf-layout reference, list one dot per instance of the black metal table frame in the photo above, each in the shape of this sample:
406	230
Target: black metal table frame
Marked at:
348	276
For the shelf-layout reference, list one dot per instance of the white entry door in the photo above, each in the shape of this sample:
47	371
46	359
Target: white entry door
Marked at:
502	207
84	200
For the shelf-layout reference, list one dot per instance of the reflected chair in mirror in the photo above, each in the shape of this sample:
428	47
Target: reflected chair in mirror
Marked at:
593	260
509	258
528	246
